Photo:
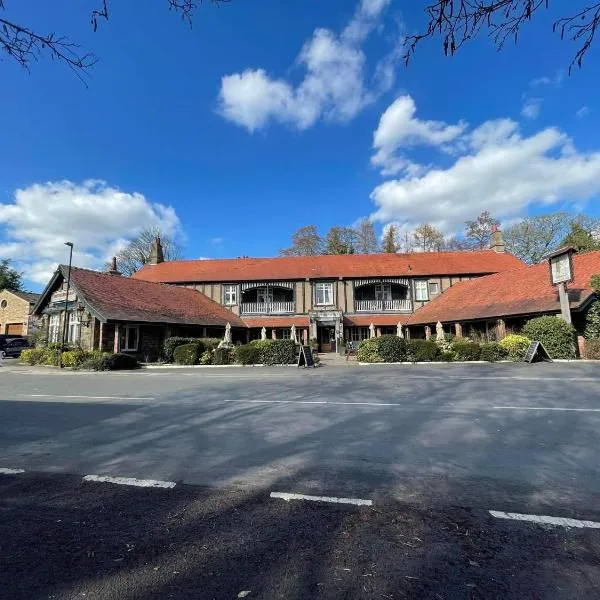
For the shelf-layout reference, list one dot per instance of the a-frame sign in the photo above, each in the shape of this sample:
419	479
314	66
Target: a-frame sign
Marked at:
536	353
305	358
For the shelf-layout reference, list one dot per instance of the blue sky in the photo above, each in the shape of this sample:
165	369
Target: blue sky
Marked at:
268	116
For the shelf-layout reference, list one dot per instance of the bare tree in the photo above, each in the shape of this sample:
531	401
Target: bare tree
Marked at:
24	45
428	238
137	253
478	232
366	239
305	242
340	240
458	21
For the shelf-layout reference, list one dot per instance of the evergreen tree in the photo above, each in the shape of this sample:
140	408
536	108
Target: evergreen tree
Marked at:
389	243
9	278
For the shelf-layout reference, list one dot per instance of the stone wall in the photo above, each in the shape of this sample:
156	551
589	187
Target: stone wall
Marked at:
16	311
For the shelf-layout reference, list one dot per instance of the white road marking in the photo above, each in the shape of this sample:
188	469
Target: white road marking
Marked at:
545	408
543	520
89	397
317	402
130	481
288	497
11	471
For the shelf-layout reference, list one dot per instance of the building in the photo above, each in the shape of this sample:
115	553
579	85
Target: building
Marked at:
491	306
15	312
108	312
328	297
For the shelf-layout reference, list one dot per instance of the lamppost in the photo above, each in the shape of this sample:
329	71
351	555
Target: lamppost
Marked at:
64	335
561	272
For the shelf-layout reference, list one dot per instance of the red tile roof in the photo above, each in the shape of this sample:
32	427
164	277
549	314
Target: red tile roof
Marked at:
329	266
276	321
124	299
389	320
519	292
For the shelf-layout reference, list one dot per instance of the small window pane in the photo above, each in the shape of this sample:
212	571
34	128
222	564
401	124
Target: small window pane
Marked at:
324	293
230	294
421	293
434	288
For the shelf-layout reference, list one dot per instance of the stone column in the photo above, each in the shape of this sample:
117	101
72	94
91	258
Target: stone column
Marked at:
427	332
458	330
581	346
500	329
116	342
378	332
273	334
101	337
305	337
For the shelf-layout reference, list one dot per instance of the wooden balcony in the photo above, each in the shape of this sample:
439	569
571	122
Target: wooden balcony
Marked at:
375	306
268	308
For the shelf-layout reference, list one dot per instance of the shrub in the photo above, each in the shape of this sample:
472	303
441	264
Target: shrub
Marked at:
119	362
422	350
592	349
247	355
555	334
94	361
493	352
210	343
32	356
72	358
446	357
595	283
392	348
515	346
592	321
279	352
50	355
222	356
261	345
206	358
465	350
171	343
187	354
368	351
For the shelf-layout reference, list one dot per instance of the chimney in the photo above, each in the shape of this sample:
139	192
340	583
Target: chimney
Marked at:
156	254
113	267
497	244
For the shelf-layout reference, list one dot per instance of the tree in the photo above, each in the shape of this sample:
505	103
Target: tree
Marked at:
478	233
137	253
580	238
534	237
366	240
340	240
456	22
428	238
389	243
305	242
9	278
24	45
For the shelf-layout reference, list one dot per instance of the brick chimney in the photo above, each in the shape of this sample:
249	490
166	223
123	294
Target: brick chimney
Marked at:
113	267
156	254
497	244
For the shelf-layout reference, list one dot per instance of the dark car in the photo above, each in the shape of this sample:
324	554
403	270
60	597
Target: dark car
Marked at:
12	347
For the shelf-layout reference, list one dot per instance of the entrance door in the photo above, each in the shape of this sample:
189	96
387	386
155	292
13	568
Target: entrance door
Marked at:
326	339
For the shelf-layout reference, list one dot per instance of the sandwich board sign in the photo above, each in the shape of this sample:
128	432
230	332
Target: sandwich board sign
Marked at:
305	358
536	353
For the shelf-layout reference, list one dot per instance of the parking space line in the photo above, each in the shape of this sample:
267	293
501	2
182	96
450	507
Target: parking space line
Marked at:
89	397
565	409
287	497
130	481
316	402
545	520
4	471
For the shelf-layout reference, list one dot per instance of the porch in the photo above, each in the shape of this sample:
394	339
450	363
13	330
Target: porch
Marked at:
275	298
382	295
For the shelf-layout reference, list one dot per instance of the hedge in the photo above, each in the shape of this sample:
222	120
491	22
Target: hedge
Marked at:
222	356
32	356
392	348
556	335
72	358
466	351
515	346
368	351
119	362
279	352
592	349
188	354
247	355
493	352
592	321
422	350
171	343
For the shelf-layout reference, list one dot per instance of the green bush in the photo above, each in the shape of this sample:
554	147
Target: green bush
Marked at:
493	352
247	355
592	349
32	356
223	356
171	343
446	357
50	355
279	352
187	354
515	346
592	321
119	362
422	350
368	351
206	358
466	351
595	283
555	334
392	348
210	343
94	361
72	358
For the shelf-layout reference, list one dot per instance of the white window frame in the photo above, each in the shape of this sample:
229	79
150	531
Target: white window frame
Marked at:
325	289
74	328
230	293
383	291
126	346
434	285
421	290
284	333
264	295
53	328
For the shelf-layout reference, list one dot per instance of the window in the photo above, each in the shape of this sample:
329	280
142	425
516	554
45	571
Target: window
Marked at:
229	295
357	334
434	288
132	337
74	328
3	304
323	293
421	294
53	328
264	295
284	334
383	292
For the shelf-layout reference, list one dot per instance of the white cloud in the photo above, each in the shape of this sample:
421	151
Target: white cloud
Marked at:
333	87
555	81
498	169
399	129
531	108
97	218
584	111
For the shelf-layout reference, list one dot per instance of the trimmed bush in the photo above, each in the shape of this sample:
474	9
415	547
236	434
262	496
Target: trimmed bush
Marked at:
446	357
187	354
94	361
171	343
465	350
32	356
422	350
279	352
247	355
72	358
392	348
592	321
50	355
119	362
515	346
368	351
223	356
206	358
556	335
493	352
210	343
592	349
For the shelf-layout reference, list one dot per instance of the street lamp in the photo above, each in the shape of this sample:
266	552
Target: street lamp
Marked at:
64	335
561	272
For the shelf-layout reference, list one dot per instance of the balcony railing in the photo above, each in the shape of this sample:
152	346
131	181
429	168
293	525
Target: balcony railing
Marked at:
383	305
268	308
